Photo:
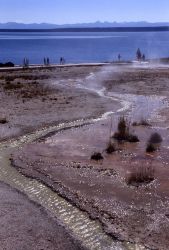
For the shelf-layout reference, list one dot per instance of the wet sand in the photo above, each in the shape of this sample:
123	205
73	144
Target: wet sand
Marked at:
62	161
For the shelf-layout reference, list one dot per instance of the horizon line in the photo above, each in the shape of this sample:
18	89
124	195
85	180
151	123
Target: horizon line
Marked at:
89	22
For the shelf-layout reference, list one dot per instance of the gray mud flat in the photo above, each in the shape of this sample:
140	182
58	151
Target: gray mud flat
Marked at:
25	225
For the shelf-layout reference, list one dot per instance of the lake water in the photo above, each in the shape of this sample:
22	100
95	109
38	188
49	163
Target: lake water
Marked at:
81	47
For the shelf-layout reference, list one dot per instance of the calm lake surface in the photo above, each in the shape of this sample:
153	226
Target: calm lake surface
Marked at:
79	47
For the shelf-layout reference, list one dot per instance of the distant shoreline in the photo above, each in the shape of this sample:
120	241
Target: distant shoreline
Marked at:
53	66
69	65
96	29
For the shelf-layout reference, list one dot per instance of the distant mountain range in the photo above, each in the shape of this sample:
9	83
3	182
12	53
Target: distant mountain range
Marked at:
13	25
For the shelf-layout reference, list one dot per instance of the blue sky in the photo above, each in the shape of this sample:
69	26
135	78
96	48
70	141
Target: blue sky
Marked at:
76	11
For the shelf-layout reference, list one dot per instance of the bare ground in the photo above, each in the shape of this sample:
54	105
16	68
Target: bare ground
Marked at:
33	99
25	225
137	214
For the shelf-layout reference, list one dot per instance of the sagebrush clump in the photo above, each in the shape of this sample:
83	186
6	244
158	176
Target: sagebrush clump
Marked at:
155	138
153	143
150	148
97	156
123	133
141	175
3	121
110	148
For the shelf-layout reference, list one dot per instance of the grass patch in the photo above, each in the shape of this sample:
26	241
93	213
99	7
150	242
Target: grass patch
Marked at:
154	142
97	156
155	138
150	148
133	138
110	148
123	133
140	176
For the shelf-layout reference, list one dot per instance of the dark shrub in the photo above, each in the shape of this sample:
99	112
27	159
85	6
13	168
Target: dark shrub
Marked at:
153	143
144	122
110	148
3	120
141	175
133	138
8	64
123	130
123	133
97	156
155	138
150	148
